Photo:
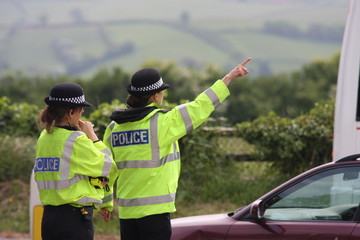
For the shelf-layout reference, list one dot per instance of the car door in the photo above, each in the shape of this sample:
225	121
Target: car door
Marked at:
290	231
356	233
321	206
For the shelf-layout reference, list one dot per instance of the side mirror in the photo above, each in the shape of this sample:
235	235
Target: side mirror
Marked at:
257	209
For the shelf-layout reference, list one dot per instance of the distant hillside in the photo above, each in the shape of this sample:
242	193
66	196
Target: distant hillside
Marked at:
80	37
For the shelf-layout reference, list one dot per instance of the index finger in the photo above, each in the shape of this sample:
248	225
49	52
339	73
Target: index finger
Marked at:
245	62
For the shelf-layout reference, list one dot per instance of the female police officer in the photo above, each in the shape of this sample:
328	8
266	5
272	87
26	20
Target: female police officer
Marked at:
143	140
72	167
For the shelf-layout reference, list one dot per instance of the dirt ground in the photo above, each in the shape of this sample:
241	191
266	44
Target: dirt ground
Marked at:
20	236
10	234
17	236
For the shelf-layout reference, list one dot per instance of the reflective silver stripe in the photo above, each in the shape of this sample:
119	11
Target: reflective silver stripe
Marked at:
106	151
186	117
148	163
109	140
155	151
146	200
60	184
107	199
111	126
87	200
107	165
213	97
65	159
176	153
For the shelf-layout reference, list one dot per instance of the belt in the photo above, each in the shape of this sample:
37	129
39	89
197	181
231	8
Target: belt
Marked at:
85	211
65	207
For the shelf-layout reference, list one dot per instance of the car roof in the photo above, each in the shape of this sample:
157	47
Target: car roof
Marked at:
350	158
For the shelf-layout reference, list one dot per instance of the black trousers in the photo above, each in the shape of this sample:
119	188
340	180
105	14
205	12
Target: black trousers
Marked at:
153	227
66	222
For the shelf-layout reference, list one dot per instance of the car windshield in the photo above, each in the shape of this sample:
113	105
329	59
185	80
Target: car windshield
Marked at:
329	195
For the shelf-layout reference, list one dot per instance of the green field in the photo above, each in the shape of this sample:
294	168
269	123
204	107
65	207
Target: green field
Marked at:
191	33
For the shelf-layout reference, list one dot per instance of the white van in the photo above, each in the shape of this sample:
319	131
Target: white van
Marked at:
347	108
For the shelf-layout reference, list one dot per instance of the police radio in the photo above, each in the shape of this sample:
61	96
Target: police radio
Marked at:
100	183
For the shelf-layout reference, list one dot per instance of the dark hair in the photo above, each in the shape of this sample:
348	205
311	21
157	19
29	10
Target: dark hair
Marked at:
50	115
137	101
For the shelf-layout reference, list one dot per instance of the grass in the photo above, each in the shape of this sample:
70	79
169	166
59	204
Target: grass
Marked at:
15	216
235	145
254	180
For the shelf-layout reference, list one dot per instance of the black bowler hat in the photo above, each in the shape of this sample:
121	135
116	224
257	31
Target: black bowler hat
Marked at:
67	94
145	82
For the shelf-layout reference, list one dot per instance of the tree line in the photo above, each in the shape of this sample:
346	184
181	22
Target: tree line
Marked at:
283	116
286	94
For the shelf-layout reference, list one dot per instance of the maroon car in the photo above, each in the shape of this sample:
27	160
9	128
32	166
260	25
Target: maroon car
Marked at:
319	204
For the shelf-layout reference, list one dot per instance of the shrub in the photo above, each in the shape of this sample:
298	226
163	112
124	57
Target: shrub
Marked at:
17	155
18	119
206	175
292	145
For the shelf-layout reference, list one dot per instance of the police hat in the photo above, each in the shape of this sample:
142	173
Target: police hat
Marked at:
67	94
145	82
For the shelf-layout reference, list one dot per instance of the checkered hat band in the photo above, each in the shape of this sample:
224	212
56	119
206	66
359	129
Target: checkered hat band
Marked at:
151	87
76	100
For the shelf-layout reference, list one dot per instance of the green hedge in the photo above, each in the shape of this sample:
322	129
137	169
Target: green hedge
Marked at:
292	145
17	155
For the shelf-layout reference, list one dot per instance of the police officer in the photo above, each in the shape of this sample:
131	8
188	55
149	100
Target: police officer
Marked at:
144	143
74	170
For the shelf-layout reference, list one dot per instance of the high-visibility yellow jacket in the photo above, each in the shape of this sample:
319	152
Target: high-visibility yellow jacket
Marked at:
145	149
65	159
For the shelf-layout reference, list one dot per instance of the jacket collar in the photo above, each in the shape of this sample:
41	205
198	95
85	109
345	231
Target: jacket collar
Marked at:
123	115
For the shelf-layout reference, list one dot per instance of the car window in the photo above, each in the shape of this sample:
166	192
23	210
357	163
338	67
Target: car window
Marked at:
332	195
